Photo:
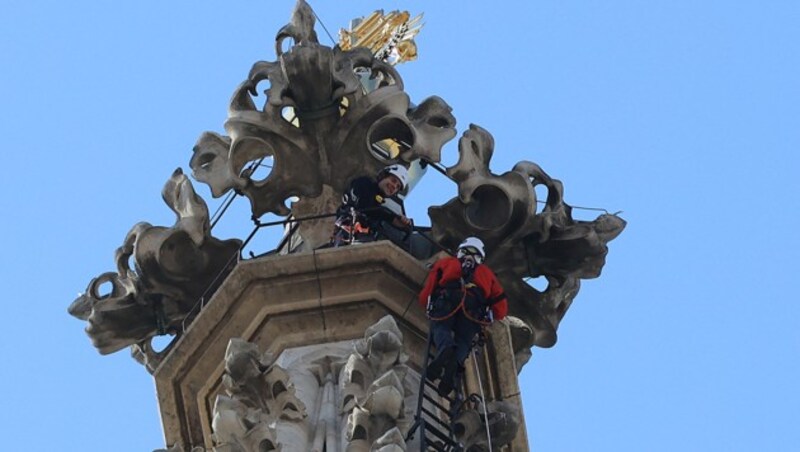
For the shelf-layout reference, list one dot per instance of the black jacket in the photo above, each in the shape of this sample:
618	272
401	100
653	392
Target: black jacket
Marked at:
366	198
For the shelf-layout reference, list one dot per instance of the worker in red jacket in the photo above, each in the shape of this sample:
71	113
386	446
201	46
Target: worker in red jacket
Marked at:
460	295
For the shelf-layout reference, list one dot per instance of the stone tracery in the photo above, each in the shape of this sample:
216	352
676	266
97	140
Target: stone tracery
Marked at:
174	267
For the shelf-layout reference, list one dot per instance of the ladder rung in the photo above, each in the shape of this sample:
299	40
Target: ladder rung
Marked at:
441	436
443	442
436	418
436	399
429	384
436	447
437	404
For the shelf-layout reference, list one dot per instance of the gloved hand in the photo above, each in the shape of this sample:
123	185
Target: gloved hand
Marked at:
403	222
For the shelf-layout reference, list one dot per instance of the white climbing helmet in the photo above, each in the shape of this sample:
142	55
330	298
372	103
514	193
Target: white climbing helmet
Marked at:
398	171
472	245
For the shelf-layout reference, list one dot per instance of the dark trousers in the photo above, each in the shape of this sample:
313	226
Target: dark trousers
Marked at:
456	331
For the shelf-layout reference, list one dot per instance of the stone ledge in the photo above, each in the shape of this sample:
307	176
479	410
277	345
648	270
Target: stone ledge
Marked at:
278	302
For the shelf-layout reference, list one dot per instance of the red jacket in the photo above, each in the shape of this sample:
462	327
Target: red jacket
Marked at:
448	269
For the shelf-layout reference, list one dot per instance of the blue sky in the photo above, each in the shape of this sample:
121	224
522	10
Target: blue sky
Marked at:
682	114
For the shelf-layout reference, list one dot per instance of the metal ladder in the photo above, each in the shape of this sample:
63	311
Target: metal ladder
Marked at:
434	419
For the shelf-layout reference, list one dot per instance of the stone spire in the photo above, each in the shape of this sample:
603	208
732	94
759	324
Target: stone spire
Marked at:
322	349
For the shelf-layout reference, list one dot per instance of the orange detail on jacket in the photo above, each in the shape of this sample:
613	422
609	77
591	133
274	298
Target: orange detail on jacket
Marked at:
484	278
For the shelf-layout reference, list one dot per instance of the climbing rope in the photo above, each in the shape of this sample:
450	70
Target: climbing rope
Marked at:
333	41
483	399
223	207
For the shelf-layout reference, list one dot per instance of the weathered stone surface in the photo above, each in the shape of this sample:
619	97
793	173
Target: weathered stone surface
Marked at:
294	408
174	267
283	302
258	396
323	315
520	242
502	418
375	388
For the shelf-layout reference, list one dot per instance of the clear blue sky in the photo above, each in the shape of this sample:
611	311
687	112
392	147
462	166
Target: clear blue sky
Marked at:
683	114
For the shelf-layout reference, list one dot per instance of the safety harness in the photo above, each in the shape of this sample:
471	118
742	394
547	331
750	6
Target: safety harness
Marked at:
445	294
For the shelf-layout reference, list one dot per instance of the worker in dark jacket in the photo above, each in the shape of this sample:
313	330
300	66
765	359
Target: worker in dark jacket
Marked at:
363	211
460	295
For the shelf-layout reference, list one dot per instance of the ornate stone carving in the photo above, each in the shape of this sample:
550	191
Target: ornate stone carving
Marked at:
470	426
144	354
318	125
174	266
522	243
327	398
259	396
521	335
374	392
